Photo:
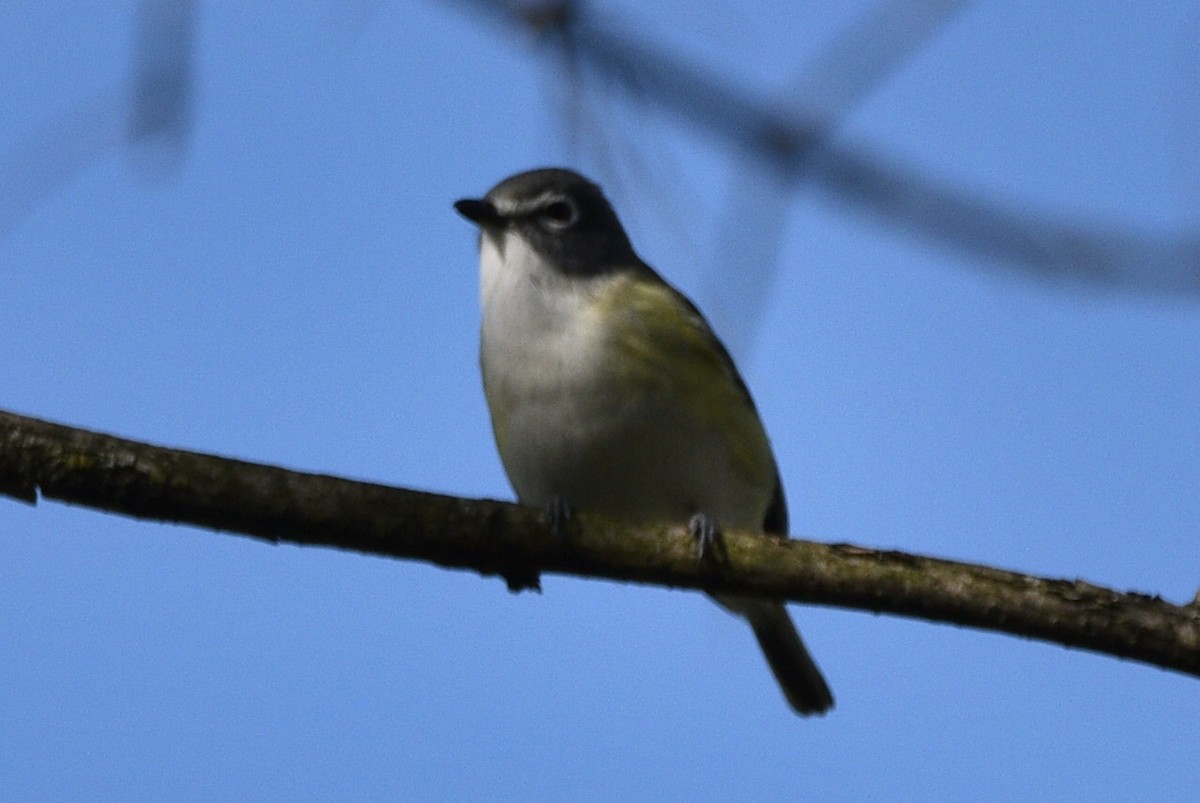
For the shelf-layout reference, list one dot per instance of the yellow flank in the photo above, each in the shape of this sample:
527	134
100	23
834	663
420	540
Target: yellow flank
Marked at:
659	344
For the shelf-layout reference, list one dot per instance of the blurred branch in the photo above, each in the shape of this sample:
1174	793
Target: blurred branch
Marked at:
55	152
793	139
824	91
282	506
151	118
163	84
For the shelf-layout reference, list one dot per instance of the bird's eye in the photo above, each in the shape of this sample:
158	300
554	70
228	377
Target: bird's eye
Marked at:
559	215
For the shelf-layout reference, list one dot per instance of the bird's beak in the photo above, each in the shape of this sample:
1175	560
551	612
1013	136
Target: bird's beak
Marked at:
479	211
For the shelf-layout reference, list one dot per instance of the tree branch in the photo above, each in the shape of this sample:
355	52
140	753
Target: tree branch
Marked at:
278	505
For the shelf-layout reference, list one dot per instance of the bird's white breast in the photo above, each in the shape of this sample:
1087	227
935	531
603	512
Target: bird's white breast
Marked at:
544	360
575	421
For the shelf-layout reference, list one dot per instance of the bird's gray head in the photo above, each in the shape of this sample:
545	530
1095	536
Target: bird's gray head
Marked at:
559	214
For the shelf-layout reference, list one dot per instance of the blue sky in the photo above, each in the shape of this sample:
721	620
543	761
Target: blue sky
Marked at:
295	289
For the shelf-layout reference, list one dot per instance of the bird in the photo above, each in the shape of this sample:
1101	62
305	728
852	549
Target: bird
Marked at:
609	392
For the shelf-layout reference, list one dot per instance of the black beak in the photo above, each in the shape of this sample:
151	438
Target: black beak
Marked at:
479	211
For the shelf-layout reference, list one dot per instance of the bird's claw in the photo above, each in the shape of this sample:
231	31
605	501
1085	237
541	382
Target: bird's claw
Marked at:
558	514
703	528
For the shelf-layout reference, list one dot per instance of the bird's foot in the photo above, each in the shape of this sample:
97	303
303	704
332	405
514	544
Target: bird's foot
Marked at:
709	544
558	513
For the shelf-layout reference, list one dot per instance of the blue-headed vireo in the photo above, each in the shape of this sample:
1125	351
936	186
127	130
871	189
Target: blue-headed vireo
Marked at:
609	392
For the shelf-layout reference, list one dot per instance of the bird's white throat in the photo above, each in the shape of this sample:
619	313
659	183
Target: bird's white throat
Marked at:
534	317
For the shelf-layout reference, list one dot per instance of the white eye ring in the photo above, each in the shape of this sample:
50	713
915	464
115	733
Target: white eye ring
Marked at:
559	215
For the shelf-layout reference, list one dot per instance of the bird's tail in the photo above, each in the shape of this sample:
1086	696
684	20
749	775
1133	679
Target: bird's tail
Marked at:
794	669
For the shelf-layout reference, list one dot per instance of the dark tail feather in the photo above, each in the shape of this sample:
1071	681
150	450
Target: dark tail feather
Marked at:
794	669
